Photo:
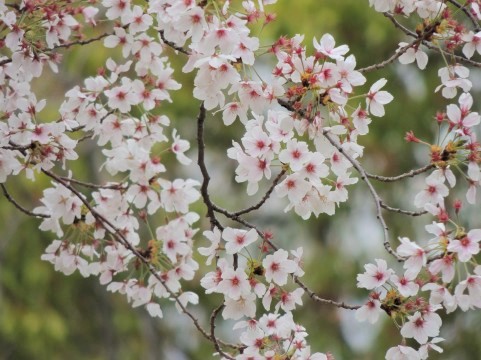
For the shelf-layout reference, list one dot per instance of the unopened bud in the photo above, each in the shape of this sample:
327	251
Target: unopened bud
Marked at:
410	137
458	204
440	116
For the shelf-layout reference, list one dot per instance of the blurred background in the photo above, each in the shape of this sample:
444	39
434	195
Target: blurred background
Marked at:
45	315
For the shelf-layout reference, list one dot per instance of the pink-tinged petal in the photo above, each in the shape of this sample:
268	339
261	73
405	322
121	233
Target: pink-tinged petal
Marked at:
327	41
378	85
408	57
475	235
454	113
383	97
421	59
468	50
376	109
471	194
466	101
471	120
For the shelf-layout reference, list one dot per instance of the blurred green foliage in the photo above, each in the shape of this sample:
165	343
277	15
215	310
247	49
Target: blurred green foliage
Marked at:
45	315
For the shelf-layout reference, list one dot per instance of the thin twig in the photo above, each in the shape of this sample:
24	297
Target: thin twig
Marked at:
364	177
400	26
317	298
456	57
119	236
377	199
391	59
428	44
411	173
467	12
81	42
203	169
401	211
93	186
66	45
213	316
265	197
311	293
172	45
20	207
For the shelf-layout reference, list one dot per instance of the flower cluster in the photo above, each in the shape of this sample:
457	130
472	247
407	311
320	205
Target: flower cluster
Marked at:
302	121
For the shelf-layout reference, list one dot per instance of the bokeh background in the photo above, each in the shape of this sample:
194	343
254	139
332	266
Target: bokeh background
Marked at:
45	315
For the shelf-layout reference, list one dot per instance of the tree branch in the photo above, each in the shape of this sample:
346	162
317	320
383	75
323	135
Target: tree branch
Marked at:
311	293
364	177
401	211
264	198
213	316
117	234
411	173
172	45
93	186
20	207
391	59
203	169
468	13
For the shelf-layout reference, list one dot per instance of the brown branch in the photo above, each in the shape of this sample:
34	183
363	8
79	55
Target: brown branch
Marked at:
390	60
428	44
411	174
398	25
213	316
117	234
467	13
401	211
93	186
203	169
172	45
67	45
456	57
377	199
364	177
81	42
265	197
311	293
20	207
317	298
5	61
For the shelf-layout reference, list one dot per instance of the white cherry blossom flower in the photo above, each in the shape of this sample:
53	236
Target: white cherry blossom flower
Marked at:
473	43
416	255
237	239
234	283
422	326
467	246
326	46
369	311
401	352
278	267
376	99
243	306
375	275
413	54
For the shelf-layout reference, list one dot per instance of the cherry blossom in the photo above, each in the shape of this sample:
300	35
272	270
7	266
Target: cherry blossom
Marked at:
376	99
370	311
326	47
413	54
473	43
467	245
375	275
277	267
236	239
401	352
422	326
299	136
